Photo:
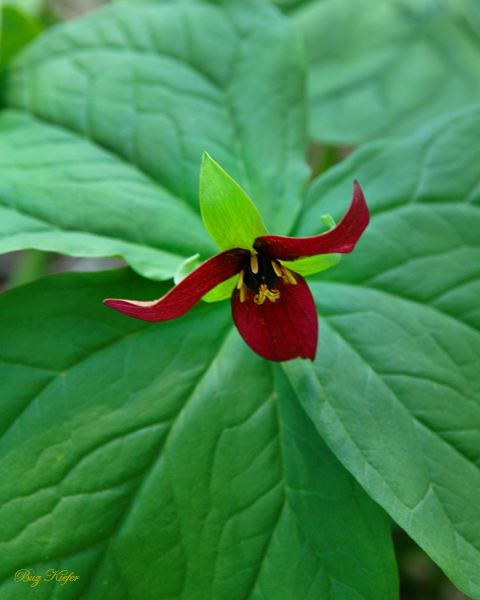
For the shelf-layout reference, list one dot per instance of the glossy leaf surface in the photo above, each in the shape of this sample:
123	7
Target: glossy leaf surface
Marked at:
56	194
128	435
157	85
168	461
401	317
383	67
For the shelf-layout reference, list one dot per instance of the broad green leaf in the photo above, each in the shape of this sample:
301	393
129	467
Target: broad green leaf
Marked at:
229	215
423	192
167	460
395	388
382	67
16	30
159	84
406	420
60	192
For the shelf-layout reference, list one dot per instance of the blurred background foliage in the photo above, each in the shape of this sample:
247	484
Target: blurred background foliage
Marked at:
376	68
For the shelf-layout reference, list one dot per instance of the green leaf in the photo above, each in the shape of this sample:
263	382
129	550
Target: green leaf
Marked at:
406	420
395	388
229	215
199	457
58	193
159	84
383	67
422	243
17	29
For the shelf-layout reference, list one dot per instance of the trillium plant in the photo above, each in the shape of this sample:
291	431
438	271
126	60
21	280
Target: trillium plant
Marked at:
293	412
272	307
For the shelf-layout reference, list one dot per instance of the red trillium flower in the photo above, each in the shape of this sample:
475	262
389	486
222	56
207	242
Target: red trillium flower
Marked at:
272	306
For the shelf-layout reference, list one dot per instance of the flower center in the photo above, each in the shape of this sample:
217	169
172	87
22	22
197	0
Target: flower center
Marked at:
264	293
259	274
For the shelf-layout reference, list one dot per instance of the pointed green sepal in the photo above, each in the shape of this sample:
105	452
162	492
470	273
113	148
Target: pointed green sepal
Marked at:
222	291
312	264
229	215
185	268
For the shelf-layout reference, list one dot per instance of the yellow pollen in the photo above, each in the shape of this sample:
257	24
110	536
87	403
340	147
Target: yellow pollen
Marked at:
254	263
272	295
288	276
276	268
240	280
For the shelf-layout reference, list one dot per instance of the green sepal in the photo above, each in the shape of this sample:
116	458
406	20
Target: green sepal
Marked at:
328	220
312	264
229	215
222	291
186	267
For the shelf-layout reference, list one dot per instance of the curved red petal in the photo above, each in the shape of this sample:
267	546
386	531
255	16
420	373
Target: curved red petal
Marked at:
188	292
280	330
341	238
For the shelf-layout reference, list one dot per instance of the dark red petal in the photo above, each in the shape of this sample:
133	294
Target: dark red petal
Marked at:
280	330
188	292
341	238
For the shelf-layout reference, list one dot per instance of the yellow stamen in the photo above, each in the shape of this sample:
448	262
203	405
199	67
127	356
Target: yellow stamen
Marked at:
242	292
276	268
240	280
254	263
288	276
272	295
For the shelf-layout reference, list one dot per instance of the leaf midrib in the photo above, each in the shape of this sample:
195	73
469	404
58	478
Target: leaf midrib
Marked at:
147	471
414	418
240	153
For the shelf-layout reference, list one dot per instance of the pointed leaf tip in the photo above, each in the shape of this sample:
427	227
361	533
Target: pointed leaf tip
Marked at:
341	239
